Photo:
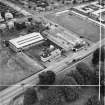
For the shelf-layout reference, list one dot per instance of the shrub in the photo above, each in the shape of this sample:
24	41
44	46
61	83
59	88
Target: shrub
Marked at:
53	96
30	97
86	72
46	78
77	76
71	93
93	100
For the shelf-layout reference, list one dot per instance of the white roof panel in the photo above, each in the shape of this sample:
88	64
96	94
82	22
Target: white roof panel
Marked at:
25	40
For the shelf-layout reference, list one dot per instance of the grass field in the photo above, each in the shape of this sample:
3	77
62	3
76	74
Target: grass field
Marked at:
13	69
75	24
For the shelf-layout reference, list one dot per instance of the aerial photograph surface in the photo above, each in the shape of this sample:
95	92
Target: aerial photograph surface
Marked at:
52	52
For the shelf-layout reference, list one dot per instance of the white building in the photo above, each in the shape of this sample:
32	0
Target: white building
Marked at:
53	55
26	41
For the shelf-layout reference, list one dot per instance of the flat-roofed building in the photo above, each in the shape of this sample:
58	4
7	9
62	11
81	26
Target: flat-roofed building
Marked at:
26	41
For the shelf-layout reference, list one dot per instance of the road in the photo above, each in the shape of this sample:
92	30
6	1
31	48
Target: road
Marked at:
9	93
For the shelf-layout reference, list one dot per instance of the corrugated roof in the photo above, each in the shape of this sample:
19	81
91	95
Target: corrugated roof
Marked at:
26	39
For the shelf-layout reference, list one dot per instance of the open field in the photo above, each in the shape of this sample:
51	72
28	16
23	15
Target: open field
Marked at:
79	26
13	67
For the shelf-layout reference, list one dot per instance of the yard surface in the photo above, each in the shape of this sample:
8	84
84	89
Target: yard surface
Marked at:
81	27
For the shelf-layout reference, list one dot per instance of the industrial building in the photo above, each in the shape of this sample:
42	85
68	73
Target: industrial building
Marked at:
64	39
26	41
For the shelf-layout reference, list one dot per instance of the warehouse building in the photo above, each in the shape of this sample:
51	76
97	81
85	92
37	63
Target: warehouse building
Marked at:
26	41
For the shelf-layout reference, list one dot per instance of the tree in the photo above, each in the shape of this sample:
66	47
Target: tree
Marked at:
46	78
77	76
100	68
71	93
93	100
97	69
30	96
102	90
86	72
96	56
53	96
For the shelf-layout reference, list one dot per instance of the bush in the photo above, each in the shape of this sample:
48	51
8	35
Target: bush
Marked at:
96	54
30	97
77	76
71	93
86	72
46	78
93	100
53	96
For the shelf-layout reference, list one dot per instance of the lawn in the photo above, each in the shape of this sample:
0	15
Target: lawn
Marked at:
81	27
